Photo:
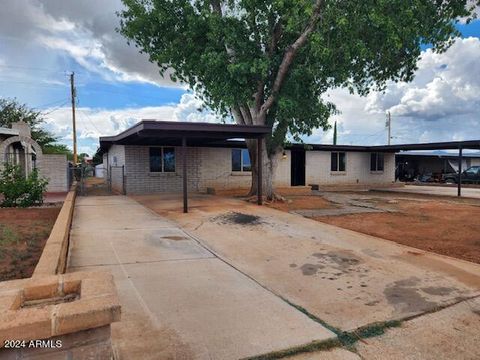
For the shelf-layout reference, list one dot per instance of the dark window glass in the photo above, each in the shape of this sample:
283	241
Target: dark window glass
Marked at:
380	162
155	159
373	161
247	166
341	161
169	159
334	162
376	161
236	159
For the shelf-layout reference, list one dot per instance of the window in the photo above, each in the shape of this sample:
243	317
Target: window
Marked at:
241	160
376	162
338	161
162	159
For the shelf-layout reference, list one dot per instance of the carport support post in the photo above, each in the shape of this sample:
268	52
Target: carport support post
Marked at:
460	160
259	171
184	166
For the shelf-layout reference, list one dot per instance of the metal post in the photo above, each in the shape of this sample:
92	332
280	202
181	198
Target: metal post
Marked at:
259	171
124	188
460	160
184	165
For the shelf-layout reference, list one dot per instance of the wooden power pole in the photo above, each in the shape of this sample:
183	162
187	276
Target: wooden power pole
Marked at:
389	126
73	95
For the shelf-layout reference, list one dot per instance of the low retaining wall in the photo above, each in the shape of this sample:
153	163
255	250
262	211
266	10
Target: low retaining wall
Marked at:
53	315
54	255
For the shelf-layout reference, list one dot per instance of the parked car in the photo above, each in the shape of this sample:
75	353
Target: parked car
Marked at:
469	176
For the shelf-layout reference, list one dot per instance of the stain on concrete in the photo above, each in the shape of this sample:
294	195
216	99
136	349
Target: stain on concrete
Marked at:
310	269
174	237
238	218
293	265
405	296
438	290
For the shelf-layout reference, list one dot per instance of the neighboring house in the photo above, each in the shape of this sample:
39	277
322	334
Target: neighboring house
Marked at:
147	158
412	165
17	147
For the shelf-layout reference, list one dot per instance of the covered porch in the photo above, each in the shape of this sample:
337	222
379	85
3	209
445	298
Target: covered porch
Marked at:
183	136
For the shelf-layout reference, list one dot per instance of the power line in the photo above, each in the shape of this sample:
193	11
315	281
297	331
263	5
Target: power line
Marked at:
56	108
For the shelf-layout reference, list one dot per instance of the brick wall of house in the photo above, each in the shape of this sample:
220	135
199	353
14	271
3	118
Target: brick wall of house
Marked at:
55	167
140	180
211	167
317	164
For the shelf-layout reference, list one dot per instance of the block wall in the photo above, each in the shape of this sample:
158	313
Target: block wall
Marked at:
54	167
317	165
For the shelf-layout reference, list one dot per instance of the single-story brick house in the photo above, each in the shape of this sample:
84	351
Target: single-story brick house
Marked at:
147	158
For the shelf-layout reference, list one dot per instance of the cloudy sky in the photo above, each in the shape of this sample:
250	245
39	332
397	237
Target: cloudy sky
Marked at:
41	42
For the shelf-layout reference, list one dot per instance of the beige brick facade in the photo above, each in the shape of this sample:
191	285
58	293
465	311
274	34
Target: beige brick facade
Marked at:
211	167
317	165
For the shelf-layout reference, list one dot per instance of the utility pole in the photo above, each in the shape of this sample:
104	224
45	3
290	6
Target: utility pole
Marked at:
388	124
73	95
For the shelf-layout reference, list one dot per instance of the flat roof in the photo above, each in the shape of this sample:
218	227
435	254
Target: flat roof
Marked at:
152	132
8	131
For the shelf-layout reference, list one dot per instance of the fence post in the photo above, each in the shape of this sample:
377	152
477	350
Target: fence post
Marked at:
124	188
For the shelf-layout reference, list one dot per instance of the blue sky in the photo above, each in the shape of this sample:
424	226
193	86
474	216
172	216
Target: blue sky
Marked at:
43	41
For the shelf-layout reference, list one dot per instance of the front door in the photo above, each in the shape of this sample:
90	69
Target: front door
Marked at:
298	168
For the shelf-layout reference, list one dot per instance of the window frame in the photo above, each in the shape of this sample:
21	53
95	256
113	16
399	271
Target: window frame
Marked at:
337	170
375	168
241	161
162	160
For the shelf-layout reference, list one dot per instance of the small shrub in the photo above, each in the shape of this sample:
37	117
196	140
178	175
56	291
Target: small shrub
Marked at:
21	191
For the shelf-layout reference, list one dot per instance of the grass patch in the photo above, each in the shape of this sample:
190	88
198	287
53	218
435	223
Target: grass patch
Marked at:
347	339
7	235
311	347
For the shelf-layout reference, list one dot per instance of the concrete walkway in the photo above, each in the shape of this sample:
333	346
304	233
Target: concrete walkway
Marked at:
179	301
473	193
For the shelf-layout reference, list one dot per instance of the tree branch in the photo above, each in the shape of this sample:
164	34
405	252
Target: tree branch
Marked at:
237	114
289	56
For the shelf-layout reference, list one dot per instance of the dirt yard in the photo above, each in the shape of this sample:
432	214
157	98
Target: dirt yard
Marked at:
441	225
23	233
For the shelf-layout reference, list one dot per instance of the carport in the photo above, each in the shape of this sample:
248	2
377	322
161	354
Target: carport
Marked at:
450	145
184	134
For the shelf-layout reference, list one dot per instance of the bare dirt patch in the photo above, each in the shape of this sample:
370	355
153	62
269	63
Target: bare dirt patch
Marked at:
445	227
23	233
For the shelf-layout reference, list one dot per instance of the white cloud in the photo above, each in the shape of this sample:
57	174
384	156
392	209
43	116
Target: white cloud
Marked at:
84	30
93	123
442	103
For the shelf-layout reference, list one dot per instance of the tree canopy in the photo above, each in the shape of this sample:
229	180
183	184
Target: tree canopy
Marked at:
271	62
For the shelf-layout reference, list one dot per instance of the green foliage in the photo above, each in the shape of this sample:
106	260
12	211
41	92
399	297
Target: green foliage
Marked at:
20	191
229	51
58	149
12	111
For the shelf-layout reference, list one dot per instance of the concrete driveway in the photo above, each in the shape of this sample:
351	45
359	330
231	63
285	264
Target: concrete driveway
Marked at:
473	193
343	279
179	301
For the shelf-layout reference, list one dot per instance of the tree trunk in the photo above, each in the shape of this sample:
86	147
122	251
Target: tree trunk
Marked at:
269	165
248	116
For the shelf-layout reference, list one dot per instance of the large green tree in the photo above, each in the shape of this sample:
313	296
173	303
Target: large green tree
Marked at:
272	62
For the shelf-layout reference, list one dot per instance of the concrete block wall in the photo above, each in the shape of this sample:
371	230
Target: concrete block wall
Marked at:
54	167
317	165
206	167
139	179
211	167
